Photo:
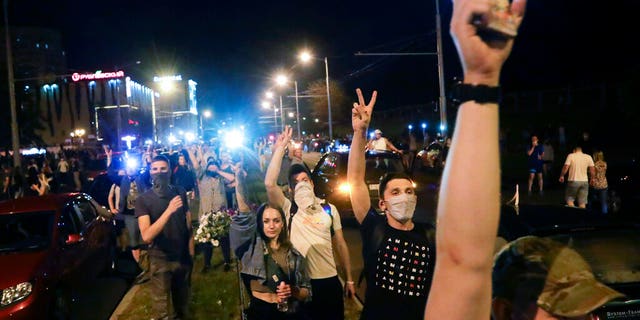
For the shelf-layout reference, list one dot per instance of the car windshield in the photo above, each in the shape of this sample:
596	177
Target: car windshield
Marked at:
25	231
614	255
378	166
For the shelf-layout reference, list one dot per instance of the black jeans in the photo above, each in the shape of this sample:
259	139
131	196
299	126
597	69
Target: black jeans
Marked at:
327	302
207	251
169	279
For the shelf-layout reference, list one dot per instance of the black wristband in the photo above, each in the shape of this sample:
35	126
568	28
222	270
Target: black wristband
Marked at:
463	92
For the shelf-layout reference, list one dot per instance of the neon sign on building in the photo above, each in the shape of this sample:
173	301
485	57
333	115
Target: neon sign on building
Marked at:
97	76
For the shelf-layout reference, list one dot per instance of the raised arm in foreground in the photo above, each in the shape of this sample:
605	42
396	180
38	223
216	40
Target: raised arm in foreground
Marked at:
274	193
360	119
469	206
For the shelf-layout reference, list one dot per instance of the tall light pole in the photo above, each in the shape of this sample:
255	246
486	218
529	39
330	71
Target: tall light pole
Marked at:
15	138
281	81
326	70
205	114
305	57
295	82
270	105
442	98
281	115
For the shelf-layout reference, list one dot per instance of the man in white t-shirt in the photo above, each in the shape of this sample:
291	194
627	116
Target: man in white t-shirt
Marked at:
380	143
576	165
315	231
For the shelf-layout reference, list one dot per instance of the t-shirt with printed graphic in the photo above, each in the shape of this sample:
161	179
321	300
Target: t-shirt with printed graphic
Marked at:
398	269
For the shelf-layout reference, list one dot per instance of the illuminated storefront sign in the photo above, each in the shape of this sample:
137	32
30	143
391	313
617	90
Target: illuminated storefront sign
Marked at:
97	76
168	78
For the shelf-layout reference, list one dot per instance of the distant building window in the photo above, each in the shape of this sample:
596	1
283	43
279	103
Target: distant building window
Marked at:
37	45
46	46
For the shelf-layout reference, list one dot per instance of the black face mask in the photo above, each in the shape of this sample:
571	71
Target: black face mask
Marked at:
160	183
212	174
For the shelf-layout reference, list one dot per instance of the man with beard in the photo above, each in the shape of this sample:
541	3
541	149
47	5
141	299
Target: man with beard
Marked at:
315	230
398	255
165	223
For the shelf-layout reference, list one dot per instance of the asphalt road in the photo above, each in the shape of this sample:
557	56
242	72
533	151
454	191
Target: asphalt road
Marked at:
98	300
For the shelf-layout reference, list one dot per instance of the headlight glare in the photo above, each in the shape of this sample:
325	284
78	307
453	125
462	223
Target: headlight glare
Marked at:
15	293
344	187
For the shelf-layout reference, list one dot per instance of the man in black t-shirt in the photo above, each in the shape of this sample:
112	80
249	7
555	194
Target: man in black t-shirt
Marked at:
399	255
165	223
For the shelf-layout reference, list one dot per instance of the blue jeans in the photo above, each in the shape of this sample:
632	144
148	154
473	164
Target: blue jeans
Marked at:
600	196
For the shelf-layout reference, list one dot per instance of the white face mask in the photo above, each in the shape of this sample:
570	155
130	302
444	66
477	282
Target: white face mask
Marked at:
402	207
303	195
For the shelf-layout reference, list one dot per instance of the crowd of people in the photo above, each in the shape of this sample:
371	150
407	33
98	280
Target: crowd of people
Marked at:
294	259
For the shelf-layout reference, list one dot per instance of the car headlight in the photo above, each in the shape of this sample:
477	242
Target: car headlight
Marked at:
344	187
15	293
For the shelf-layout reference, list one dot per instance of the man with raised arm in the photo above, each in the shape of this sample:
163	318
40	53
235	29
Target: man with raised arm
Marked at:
165	223
316	231
398	254
469	201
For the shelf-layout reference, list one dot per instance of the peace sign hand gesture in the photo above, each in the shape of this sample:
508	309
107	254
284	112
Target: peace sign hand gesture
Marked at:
284	137
361	112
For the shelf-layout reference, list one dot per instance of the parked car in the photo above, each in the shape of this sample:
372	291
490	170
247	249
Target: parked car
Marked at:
330	177
51	247
608	243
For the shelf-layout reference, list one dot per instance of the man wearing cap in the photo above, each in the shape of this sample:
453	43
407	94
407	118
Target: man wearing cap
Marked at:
315	231
469	200
380	143
539	278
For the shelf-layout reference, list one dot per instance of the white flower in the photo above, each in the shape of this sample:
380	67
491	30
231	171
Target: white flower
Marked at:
213	225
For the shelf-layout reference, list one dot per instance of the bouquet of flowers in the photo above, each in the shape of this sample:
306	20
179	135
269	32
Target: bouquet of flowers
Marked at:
213	225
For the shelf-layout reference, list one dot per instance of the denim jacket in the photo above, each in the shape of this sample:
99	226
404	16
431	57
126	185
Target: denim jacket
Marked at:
249	246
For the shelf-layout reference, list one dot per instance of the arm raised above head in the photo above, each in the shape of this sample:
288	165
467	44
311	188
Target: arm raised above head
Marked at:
469	201
360	119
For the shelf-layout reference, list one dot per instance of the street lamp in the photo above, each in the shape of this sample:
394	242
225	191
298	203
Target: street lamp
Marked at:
15	140
205	114
269	105
281	81
305	57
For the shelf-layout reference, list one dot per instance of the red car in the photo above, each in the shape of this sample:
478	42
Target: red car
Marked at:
50	247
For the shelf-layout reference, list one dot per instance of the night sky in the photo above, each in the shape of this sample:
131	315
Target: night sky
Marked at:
233	48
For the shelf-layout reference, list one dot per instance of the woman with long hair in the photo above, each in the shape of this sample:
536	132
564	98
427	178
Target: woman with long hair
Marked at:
273	271
599	182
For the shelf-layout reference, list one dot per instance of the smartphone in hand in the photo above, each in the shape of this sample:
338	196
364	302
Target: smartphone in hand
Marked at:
499	20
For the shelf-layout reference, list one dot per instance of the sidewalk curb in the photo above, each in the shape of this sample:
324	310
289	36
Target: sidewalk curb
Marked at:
124	303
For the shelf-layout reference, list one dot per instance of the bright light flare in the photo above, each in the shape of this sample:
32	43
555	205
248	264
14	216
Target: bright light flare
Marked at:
190	136
344	188
269	94
266	105
206	113
166	86
305	56
234	139
132	163
281	80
